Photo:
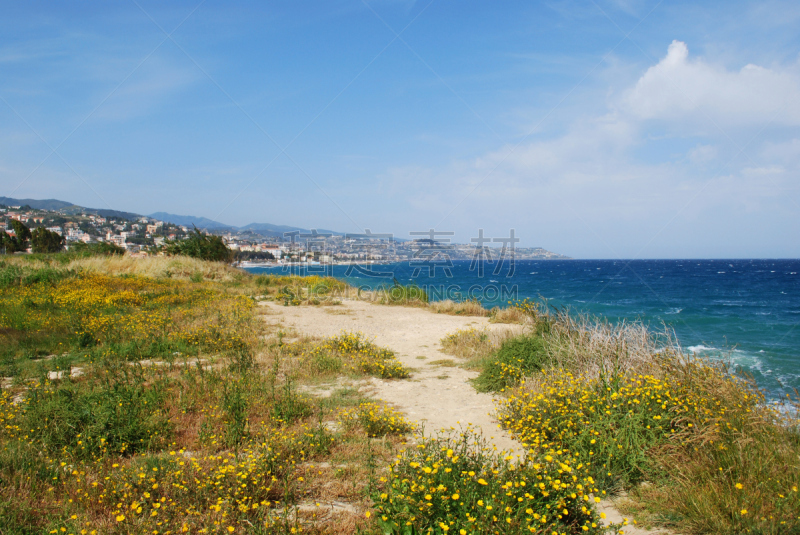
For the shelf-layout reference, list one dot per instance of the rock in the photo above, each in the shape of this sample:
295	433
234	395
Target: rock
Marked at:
332	426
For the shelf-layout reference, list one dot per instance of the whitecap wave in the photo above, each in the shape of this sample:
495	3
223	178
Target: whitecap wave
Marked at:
701	347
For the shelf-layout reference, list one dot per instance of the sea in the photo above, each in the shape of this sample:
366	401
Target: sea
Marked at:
744	311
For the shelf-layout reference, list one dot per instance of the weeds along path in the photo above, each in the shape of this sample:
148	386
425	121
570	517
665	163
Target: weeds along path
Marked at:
437	394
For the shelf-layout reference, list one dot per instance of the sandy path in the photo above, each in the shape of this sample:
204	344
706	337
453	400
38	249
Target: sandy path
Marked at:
440	397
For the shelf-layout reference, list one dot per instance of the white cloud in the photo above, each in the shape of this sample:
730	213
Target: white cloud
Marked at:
679	88
576	191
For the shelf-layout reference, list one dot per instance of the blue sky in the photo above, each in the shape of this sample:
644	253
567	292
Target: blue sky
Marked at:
598	129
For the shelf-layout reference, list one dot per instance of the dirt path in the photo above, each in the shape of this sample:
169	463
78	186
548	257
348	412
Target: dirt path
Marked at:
439	396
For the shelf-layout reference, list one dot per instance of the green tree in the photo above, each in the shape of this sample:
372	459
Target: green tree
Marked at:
6	245
46	241
23	233
18	242
202	246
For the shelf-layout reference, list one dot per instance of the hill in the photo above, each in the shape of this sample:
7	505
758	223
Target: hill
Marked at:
264	229
45	204
66	207
189	220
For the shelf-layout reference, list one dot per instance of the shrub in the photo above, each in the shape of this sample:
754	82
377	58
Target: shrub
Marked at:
355	352
202	246
402	295
234	405
472	344
719	459
516	358
611	425
459	485
289	407
510	314
376	419
470	307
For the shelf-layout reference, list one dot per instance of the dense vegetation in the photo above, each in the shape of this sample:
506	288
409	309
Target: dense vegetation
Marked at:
201	246
147	396
694	443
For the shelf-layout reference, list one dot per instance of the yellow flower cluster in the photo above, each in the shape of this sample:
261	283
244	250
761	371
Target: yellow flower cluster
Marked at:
96	308
527	306
610	422
459	485
360	355
207	494
377	419
178	491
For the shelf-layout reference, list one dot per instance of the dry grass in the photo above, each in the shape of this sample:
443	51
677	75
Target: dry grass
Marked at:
473	345
178	267
586	345
508	315
458	308
728	462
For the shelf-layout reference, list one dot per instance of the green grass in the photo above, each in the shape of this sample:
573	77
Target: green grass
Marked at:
115	412
516	359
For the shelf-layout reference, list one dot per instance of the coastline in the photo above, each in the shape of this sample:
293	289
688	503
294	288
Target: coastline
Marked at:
741	311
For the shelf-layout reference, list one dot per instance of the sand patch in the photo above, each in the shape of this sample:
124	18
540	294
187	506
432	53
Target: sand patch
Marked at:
436	400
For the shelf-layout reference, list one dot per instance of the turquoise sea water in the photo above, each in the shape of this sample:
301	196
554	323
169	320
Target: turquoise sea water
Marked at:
748	310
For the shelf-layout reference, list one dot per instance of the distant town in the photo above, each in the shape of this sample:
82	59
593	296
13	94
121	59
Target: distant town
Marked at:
145	235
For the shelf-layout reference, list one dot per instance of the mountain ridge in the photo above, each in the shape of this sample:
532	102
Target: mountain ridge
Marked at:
265	229
65	206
